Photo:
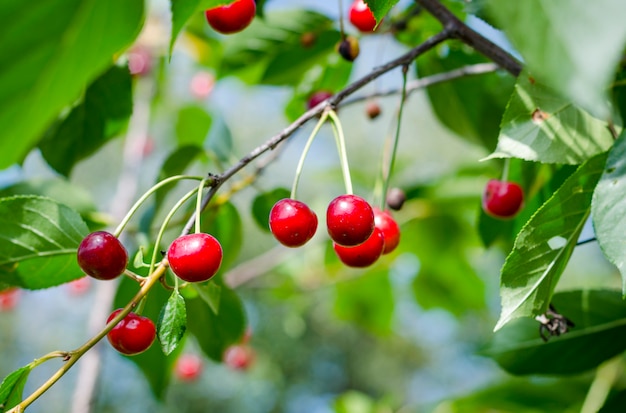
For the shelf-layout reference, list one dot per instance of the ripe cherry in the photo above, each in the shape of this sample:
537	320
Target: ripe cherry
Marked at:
292	222
139	61
202	84
102	256
9	298
389	228
232	18
133	335
364	254
317	98
350	220
188	367
239	356
361	16
502	199
195	257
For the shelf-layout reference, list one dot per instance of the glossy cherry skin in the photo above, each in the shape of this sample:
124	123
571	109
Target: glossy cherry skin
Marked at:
292	222
232	18
364	254
195	257
317	98
239	356
102	256
350	220
188	367
361	16
389	228
502	199
133	335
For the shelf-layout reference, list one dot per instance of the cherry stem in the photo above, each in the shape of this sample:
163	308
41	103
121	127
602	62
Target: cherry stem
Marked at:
305	151
341	148
396	138
505	170
199	205
341	24
146	195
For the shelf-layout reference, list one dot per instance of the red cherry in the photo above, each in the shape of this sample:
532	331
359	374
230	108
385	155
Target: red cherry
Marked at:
317	98
361	16
389	228
231	18
195	257
188	367
502	199
350	220
9	299
102	256
362	255
139	61
133	335
292	222
202	84
239	356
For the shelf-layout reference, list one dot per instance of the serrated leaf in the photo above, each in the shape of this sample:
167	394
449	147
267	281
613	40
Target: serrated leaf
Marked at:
215	332
50	52
539	126
192	126
380	8
600	323
608	208
579	64
38	242
172	323
544	245
12	388
210	293
263	203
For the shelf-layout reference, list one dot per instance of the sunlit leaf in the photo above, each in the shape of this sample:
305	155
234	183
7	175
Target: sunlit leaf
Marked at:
600	322
172	323
49	55
540	126
12	387
544	245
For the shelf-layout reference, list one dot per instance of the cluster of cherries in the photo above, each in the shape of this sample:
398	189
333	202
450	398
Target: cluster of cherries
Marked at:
193	258
360	233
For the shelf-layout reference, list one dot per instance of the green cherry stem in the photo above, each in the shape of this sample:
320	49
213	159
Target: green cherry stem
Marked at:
305	151
505	169
396	138
341	148
199	204
146	195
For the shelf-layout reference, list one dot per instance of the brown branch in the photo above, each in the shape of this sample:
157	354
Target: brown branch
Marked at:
461	31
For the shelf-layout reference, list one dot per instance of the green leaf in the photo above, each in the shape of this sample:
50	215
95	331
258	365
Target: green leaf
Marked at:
220	141
172	323
578	64
367	301
107	101
211	293
12	388
608	208
153	363
38	242
176	163
600	322
50	52
215	332
224	223
540	126
544	245
380	8
489	93
192	126
263	203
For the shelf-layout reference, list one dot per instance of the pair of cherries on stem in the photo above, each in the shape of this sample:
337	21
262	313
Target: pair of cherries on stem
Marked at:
360	233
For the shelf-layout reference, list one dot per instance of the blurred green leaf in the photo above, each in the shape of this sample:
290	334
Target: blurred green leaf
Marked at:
12	388
216	331
50	52
540	126
544	245
489	93
577	66
172	323
600	322
224	223
176	163
192	126
608	208
107	101
210	292
615	403
220	140
263	203
367	301
38	242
